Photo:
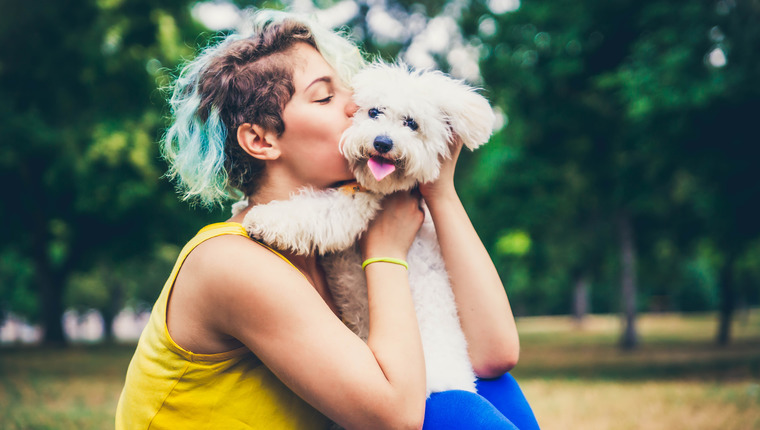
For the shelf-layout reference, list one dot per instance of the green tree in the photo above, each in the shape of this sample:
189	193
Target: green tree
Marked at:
80	117
109	286
689	86
607	102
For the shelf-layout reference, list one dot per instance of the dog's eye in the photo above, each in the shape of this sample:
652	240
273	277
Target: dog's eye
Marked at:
373	112
411	123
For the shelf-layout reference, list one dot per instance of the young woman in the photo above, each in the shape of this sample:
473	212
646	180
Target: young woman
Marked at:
244	336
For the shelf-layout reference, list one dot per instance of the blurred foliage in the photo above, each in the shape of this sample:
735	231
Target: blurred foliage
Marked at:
16	293
134	283
614	109
622	107
80	118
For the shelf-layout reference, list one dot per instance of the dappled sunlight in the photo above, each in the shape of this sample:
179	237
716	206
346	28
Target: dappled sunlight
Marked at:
217	15
503	6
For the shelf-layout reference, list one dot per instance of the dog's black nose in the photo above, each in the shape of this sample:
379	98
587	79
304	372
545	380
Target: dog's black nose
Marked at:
383	144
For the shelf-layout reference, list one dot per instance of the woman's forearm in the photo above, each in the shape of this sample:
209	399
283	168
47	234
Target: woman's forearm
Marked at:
394	335
484	309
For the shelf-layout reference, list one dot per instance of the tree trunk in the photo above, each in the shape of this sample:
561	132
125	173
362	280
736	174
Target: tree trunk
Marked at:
629	339
580	298
108	317
50	285
51	297
727	301
112	309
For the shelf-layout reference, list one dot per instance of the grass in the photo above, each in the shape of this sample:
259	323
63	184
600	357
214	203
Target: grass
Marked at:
72	388
574	377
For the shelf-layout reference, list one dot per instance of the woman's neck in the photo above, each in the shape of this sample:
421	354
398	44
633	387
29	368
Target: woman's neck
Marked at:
268	192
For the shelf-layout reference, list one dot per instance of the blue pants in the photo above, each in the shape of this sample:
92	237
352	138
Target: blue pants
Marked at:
499	404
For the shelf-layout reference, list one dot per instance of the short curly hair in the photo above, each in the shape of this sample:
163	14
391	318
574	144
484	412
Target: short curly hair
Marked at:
242	79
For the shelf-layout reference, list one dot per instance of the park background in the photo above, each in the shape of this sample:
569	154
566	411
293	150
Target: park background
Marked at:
619	196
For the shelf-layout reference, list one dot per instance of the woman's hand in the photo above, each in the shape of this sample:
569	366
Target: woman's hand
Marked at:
392	231
444	185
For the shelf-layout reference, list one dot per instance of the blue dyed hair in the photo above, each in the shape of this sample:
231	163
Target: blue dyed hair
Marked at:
245	78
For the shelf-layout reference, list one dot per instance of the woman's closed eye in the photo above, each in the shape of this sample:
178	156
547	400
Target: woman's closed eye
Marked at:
325	100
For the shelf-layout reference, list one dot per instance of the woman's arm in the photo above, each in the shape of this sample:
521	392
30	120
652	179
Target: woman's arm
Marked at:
484	309
394	336
259	299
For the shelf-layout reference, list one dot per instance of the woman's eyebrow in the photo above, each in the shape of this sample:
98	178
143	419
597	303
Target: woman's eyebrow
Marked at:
325	79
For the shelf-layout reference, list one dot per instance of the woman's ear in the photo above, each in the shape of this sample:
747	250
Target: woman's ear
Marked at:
257	142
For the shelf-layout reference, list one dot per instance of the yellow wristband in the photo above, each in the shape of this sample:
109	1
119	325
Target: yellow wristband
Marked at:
385	260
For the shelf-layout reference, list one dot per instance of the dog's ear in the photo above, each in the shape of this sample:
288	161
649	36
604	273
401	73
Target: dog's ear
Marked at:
468	113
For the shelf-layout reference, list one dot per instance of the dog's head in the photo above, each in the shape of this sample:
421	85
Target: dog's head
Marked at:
407	122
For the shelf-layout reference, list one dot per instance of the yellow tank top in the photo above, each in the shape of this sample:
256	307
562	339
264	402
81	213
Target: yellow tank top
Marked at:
168	387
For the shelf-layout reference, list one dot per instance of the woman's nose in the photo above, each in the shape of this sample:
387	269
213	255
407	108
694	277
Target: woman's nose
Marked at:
351	108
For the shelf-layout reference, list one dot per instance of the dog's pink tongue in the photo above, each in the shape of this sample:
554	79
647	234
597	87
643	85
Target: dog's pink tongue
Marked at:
380	167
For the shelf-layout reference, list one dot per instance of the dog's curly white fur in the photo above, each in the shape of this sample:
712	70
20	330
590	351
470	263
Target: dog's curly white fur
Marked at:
406	124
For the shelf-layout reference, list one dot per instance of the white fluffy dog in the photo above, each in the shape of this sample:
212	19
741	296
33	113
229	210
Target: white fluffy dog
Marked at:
406	124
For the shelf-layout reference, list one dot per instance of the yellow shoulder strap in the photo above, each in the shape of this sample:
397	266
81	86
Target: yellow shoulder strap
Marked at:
222	228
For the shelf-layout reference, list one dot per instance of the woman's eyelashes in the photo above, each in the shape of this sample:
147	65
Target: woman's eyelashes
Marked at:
325	100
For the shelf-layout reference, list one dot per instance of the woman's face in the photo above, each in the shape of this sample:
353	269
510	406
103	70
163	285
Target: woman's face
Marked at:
316	116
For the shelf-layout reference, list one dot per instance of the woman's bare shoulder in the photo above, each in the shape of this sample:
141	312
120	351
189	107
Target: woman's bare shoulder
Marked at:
236	261
220	281
228	276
